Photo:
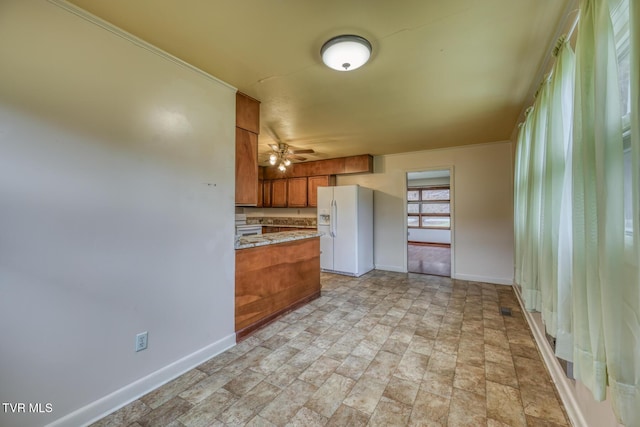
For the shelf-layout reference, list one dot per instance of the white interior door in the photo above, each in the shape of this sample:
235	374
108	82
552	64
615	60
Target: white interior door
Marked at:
429	201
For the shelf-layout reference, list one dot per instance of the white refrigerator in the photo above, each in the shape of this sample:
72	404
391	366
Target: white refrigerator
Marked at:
345	217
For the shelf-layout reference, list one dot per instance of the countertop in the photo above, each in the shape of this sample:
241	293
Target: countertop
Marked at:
245	242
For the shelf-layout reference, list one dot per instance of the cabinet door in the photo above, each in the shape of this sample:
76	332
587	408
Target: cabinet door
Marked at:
246	168
266	193
297	192
313	183
358	164
247	113
260	193
279	193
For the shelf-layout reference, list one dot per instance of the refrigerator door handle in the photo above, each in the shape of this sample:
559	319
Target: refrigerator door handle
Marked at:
334	219
331	219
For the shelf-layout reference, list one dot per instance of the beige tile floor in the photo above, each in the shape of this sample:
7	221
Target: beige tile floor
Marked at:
386	349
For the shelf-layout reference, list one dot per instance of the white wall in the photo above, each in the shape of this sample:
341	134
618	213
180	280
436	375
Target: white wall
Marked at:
482	203
429	235
116	215
427	182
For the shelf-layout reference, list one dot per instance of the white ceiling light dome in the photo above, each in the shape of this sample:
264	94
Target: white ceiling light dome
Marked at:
346	52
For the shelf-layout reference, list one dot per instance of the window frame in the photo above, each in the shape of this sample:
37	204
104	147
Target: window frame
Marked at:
422	201
622	35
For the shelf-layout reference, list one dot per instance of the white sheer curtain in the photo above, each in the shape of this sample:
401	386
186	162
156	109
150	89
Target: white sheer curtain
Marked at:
597	135
536	127
543	144
521	190
621	296
605	261
577	218
556	190
565	70
520	199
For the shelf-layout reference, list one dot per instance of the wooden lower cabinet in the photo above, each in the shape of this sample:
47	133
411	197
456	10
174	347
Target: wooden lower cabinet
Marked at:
279	193
273	279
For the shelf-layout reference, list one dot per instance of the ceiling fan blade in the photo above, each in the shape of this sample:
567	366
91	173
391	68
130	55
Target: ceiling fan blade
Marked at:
300	158
274	147
274	136
302	151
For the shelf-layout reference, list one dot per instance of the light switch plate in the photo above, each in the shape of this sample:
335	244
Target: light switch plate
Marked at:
141	341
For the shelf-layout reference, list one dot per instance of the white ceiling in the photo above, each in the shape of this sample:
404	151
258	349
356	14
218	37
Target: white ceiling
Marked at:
443	72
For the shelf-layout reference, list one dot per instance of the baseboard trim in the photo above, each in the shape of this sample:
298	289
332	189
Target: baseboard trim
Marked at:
127	394
484	279
562	383
393	268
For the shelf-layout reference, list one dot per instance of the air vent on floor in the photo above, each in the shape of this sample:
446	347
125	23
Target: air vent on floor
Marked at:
505	311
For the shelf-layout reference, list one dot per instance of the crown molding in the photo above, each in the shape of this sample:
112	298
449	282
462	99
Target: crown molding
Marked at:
63	4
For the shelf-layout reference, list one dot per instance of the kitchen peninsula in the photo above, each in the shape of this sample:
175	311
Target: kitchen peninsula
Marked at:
275	273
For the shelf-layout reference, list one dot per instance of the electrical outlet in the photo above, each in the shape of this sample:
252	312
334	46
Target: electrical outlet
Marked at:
141	341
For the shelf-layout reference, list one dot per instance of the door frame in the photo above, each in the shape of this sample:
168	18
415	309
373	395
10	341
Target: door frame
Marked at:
405	227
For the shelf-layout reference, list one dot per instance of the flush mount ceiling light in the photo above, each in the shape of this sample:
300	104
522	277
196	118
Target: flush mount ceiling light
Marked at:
346	52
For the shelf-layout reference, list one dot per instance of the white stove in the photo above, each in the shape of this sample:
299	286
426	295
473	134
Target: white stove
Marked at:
244	229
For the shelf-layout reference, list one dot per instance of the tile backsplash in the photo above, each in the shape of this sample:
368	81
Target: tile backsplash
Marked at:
283	221
291	217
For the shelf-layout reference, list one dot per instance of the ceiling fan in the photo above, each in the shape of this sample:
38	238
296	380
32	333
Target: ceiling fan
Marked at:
283	153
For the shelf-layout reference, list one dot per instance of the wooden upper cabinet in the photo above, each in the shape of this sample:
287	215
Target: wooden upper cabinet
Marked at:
313	182
247	113
246	168
279	193
266	193
260	193
297	192
358	164
339	166
324	167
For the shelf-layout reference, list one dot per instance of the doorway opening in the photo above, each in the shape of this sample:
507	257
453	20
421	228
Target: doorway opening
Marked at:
429	224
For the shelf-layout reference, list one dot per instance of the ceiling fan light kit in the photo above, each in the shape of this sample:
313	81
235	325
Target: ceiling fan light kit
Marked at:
346	52
282	155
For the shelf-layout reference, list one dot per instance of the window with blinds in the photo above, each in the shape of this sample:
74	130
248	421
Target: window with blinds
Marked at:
429	207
